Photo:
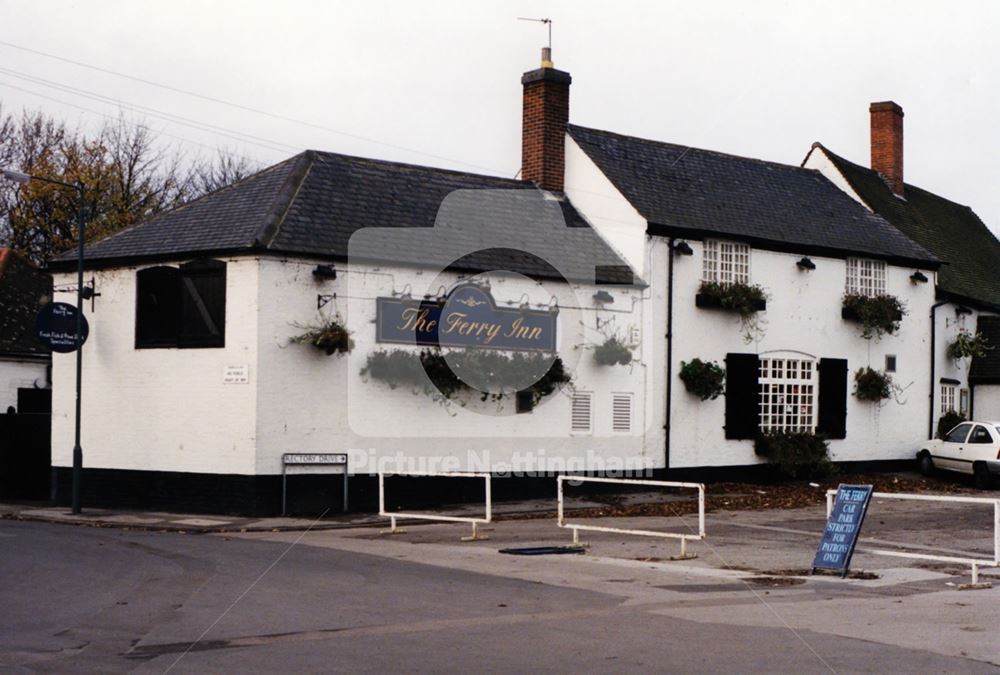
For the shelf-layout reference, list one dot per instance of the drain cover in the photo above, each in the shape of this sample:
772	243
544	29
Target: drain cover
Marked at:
543	550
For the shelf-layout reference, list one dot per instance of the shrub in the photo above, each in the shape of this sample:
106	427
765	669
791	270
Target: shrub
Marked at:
878	315
703	378
948	421
872	385
331	337
796	455
967	344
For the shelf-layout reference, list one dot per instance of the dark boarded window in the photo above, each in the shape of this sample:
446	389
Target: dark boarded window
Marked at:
525	401
181	307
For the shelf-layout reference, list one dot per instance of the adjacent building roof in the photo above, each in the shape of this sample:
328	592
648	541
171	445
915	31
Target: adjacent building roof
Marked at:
952	232
312	204
986	370
689	192
23	290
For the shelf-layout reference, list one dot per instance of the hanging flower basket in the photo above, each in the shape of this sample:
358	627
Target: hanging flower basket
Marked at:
704	379
968	345
877	315
872	385
613	352
501	374
331	337
742	299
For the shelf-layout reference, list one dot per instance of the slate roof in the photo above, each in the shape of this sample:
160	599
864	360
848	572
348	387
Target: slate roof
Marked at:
23	288
689	192
952	232
312	204
986	370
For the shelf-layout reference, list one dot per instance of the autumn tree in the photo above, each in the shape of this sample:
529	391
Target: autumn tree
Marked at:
126	173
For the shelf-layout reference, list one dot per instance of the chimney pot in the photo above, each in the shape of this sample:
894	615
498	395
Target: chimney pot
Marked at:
887	143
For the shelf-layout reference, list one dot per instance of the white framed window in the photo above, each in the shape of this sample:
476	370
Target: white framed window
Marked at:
948	398
726	262
866	276
581	412
621	413
963	402
787	394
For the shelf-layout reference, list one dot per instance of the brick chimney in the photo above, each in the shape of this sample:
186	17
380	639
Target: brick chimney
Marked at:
543	124
887	143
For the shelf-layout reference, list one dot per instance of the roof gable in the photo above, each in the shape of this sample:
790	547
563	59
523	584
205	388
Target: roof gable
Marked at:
699	193
951	231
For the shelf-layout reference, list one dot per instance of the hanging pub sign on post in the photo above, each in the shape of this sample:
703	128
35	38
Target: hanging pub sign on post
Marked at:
55	327
842	528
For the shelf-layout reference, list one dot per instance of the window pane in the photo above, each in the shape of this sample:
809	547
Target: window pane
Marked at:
958	434
203	304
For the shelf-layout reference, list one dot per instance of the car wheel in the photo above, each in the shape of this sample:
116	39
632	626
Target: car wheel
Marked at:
981	477
926	463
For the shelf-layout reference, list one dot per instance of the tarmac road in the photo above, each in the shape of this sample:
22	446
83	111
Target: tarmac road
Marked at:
78	599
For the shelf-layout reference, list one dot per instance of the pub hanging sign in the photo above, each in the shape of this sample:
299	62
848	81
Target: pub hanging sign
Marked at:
467	318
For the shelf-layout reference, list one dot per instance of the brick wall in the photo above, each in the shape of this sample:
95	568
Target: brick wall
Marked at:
543	127
887	143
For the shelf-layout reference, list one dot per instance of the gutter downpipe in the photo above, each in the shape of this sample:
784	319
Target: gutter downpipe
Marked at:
930	405
670	349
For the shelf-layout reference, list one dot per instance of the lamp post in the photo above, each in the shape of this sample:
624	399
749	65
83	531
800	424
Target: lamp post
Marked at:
22	178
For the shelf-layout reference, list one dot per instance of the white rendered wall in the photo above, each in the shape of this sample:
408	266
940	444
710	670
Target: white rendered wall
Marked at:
948	323
605	208
18	374
987	404
311	402
159	409
803	316
818	160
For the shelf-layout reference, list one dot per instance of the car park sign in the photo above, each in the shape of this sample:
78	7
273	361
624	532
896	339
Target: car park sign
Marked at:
842	528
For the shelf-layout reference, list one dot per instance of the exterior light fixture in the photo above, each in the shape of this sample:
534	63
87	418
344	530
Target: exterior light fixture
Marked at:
683	248
918	277
325	272
806	264
603	297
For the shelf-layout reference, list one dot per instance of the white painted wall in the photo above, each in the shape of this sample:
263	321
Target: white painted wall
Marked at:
20	374
803	315
818	160
987	405
311	402
159	409
605	208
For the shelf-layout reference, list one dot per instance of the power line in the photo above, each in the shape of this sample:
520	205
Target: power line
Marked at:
110	117
169	117
246	108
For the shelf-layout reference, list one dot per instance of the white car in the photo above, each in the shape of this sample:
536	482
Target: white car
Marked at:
971	447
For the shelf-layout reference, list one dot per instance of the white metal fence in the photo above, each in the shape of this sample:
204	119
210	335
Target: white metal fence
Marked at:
974	562
431	516
684	537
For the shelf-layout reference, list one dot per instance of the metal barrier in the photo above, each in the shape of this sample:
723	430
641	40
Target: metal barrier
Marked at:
974	562
576	527
426	516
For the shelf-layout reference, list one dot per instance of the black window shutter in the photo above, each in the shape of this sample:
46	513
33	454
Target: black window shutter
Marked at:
742	396
832	421
202	304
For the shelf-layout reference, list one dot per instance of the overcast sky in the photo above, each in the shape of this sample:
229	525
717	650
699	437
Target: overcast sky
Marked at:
438	83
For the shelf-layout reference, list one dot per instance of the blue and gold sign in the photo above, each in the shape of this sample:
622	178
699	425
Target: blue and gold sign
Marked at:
467	318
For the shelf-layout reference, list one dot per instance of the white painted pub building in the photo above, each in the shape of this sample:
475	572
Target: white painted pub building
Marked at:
590	281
